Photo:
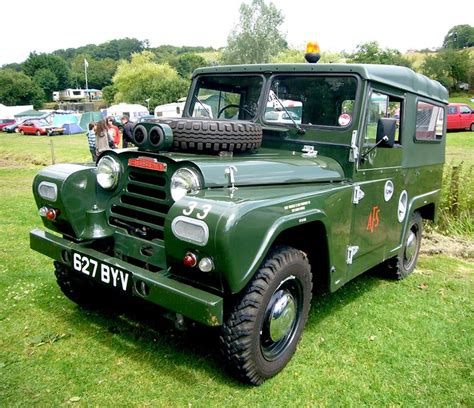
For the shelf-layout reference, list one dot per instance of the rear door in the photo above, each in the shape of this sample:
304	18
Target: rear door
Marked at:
465	117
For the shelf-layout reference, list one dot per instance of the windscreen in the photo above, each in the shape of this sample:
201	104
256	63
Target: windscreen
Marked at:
226	97
311	100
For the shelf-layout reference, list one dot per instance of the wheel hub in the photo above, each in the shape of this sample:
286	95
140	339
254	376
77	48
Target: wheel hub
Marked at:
410	247
282	315
281	319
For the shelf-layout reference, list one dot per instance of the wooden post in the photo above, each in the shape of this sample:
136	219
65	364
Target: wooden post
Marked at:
53	157
454	190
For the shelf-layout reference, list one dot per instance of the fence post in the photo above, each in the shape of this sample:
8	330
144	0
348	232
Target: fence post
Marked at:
454	191
53	157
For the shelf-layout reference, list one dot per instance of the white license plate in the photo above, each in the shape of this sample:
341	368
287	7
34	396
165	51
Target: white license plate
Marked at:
101	271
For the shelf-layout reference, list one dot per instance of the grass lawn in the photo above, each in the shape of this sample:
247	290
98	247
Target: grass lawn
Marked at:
374	342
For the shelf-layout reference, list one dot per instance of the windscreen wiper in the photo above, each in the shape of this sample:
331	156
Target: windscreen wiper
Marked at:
200	103
301	131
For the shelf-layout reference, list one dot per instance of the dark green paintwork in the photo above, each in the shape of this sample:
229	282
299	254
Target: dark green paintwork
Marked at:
398	77
281	196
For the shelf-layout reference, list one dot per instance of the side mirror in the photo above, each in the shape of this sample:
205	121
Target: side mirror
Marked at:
386	127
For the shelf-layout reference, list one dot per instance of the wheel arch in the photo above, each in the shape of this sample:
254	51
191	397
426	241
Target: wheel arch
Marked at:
315	248
427	212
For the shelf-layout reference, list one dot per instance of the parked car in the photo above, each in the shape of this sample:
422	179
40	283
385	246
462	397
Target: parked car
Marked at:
282	117
460	116
6	122
14	126
39	127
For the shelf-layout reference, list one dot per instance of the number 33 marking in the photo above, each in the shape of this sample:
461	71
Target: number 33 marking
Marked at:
200	215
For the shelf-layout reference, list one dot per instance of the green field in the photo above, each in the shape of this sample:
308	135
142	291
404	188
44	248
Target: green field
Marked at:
374	342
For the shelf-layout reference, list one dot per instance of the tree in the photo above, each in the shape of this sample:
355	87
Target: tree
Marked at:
185	64
47	81
291	56
119	49
371	53
257	37
143	78
108	93
55	64
449	67
16	88
99	72
459	37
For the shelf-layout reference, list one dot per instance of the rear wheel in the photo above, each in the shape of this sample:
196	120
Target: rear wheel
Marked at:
404	263
261	332
38	133
472	127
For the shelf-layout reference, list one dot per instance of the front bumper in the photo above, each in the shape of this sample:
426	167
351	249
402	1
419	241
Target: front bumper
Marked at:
178	297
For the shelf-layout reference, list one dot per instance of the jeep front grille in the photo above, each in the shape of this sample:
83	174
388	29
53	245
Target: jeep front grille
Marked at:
142	206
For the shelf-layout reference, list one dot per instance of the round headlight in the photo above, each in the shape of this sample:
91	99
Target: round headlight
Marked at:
184	181
108	172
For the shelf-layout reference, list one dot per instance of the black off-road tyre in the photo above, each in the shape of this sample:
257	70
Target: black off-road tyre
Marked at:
404	263
83	291
213	136
249	350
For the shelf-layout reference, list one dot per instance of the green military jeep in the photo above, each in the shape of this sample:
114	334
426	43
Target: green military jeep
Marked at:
276	178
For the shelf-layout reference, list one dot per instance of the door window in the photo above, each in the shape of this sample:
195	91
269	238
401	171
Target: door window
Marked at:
382	106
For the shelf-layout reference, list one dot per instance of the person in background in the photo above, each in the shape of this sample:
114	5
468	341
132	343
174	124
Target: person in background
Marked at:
101	137
113	131
91	140
127	131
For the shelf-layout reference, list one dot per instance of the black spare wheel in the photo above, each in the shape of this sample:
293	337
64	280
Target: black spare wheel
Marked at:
205	135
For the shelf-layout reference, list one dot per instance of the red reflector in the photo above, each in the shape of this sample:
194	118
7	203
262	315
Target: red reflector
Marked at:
190	260
147	163
51	214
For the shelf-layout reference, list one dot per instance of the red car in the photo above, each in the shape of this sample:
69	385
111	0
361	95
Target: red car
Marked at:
460	116
6	122
39	127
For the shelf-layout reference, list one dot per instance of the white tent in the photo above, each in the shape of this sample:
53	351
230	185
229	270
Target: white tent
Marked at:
9	112
134	111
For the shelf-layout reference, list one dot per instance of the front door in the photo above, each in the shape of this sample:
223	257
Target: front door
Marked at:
375	230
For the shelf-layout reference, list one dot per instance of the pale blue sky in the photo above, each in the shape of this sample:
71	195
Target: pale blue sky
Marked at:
337	25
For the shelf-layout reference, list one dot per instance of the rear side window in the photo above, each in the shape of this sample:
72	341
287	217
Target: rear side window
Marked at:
465	110
451	110
429	121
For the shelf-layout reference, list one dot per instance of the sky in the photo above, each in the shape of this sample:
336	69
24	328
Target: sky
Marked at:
45	26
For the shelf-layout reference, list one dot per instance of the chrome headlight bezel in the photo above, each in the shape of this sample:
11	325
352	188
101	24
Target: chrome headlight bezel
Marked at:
185	181
108	172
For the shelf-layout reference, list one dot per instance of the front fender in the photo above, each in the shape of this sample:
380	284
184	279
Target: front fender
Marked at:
77	200
240	231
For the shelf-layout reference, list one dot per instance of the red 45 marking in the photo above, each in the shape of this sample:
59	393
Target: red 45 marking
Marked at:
374	220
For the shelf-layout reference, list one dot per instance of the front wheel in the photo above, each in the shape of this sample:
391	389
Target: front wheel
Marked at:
83	291
262	330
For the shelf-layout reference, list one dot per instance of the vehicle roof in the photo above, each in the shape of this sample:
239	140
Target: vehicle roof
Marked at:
398	77
458	104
